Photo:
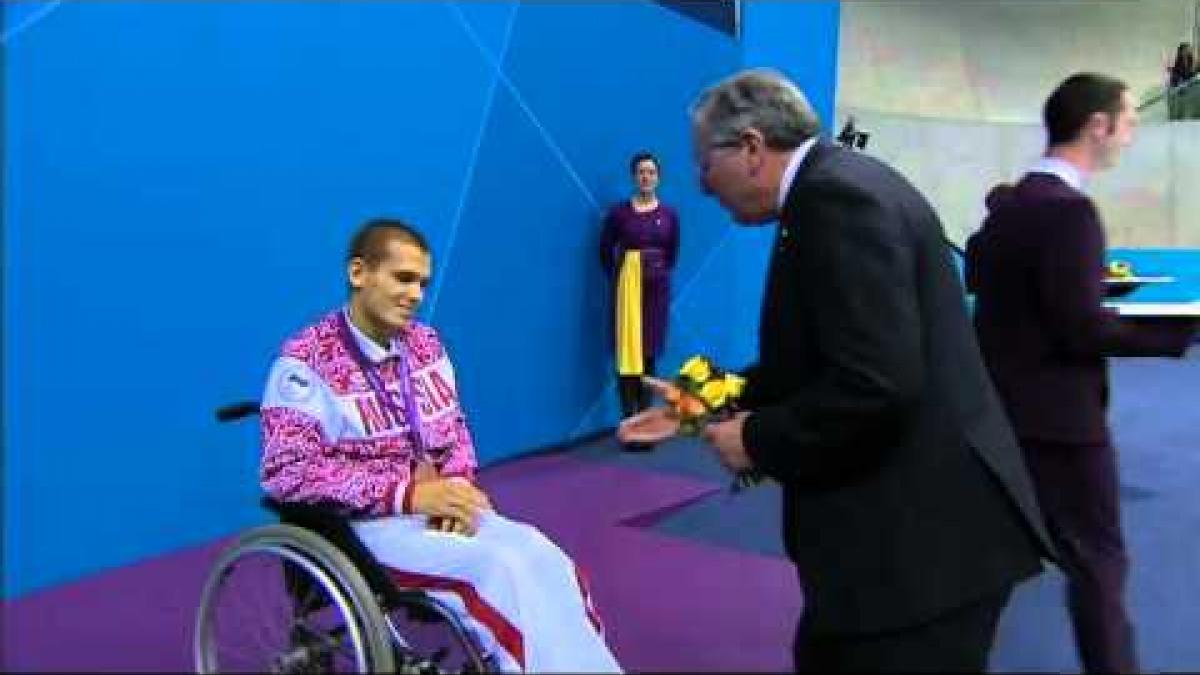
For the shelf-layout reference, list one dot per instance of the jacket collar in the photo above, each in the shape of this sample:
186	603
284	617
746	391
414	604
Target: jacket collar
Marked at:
816	155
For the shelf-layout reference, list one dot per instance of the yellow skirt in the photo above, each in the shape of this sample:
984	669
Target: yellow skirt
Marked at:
629	315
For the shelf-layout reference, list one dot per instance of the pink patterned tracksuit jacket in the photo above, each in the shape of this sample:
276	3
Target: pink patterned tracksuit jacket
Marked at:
327	436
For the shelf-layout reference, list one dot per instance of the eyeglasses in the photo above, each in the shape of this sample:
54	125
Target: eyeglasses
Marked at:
704	163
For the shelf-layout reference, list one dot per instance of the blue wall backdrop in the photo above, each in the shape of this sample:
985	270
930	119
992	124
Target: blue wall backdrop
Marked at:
799	39
180	181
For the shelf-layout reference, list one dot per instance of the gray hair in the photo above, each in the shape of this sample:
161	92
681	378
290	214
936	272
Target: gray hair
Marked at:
761	99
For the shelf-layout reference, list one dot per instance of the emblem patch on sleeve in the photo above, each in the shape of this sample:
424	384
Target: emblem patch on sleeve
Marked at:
295	385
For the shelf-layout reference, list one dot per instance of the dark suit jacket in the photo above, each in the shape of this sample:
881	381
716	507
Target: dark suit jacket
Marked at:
905	494
1037	270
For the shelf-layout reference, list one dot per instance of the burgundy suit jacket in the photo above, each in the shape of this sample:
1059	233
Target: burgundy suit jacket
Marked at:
1037	269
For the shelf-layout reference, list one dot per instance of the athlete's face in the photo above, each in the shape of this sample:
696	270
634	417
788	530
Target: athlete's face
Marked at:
387	294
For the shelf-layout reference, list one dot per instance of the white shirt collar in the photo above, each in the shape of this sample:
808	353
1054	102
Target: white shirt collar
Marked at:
371	349
1068	172
789	174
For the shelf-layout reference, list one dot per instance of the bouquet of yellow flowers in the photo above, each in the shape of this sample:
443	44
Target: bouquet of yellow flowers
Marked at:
703	392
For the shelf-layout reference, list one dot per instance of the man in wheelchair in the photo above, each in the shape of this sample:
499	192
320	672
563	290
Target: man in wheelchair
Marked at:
361	411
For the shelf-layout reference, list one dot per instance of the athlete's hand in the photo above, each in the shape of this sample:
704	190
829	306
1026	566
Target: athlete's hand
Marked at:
450	525
453	498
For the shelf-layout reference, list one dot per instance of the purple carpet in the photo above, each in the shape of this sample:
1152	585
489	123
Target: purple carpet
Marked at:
668	603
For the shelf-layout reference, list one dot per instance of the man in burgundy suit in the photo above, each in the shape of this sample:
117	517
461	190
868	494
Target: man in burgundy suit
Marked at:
1037	270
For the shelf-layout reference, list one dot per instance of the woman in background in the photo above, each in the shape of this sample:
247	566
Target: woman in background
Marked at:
638	247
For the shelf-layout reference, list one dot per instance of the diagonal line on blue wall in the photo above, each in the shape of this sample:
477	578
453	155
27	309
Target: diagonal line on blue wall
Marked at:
682	321
686	330
520	100
469	178
497	65
708	258
605	392
28	22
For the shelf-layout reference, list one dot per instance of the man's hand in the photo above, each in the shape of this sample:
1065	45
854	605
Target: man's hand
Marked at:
726	437
452	499
652	425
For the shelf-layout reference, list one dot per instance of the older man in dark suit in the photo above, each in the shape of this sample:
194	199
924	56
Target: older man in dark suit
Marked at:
1037	270
907	507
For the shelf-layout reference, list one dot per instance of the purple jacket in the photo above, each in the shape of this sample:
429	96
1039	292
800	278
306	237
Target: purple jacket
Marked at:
1037	270
656	234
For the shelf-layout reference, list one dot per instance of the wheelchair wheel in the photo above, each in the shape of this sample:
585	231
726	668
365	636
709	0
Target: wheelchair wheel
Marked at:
283	599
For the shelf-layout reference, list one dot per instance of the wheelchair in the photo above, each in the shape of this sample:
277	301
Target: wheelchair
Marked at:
305	595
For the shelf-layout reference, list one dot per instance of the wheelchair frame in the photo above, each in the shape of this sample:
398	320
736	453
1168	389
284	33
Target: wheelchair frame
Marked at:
318	547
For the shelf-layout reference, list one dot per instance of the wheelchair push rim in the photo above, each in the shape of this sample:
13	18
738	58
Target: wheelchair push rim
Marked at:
250	621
